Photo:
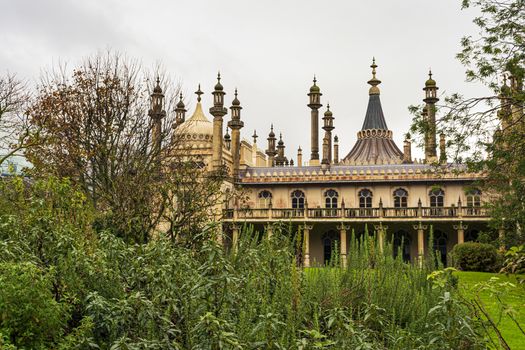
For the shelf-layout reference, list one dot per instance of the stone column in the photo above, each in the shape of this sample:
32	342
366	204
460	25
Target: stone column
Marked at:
501	235
420	242
235	236
344	251
269	229
461	231
306	239
381	229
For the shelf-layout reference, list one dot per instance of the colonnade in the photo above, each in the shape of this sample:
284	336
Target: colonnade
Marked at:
343	228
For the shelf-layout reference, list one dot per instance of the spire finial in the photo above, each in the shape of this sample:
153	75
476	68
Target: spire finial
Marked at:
374	90
430	73
271	127
255	136
281	136
218	76
158	79
199	93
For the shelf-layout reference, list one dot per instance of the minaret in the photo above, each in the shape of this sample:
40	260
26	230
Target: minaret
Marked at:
325	161
280	159
430	100
407	150
218	111
180	112
254	148
236	125
271	152
328	126
336	149
156	113
442	149
299	157
227	140
315	104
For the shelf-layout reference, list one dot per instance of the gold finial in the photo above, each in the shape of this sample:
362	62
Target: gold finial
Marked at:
374	90
199	93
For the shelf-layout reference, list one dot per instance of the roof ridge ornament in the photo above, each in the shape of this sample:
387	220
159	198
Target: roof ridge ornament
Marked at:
374	90
199	93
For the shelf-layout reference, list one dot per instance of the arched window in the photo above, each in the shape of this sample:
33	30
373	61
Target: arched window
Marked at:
365	198
264	199
400	198
440	246
331	199
474	198
297	199
437	197
402	245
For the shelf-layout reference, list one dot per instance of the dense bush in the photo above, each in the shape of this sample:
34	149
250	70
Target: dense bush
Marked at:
103	292
473	256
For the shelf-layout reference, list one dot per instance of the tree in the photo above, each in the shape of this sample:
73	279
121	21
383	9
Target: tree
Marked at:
103	128
487	133
14	127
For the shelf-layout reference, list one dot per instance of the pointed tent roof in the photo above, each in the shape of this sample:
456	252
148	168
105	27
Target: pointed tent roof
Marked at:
375	144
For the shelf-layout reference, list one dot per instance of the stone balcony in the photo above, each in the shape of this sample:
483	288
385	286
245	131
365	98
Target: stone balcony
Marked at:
431	214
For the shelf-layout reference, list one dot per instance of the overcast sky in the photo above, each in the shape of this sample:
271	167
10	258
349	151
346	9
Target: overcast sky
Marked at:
269	49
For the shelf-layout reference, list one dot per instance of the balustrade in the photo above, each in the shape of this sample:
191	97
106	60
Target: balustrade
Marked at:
389	213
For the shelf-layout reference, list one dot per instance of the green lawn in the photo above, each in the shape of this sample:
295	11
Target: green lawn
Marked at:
515	298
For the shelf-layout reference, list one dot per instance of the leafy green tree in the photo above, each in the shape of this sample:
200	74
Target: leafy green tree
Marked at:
487	133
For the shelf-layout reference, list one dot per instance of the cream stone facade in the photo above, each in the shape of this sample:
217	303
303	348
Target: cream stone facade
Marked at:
376	185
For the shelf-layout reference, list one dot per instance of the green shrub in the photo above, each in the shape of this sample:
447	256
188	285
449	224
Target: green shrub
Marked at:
473	256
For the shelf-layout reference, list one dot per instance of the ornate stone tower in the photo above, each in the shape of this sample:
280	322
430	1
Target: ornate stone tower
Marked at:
180	112
336	149
156	113
280	160
328	126
430	100
315	103
271	152
236	125
218	111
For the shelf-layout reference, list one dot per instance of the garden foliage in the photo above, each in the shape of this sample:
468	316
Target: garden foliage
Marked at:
473	256
66	286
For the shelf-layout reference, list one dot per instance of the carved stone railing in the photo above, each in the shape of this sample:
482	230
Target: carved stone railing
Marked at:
356	213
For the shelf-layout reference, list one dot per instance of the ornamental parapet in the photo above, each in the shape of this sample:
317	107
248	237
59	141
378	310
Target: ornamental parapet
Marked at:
357	173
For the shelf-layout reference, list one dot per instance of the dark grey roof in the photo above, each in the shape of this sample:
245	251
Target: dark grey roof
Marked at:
374	118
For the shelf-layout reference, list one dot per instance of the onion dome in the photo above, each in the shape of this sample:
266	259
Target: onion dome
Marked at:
314	87
157	89
328	112
236	101
218	86
197	127
430	82
180	104
271	134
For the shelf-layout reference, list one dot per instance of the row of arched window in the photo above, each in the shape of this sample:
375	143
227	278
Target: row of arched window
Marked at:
436	197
